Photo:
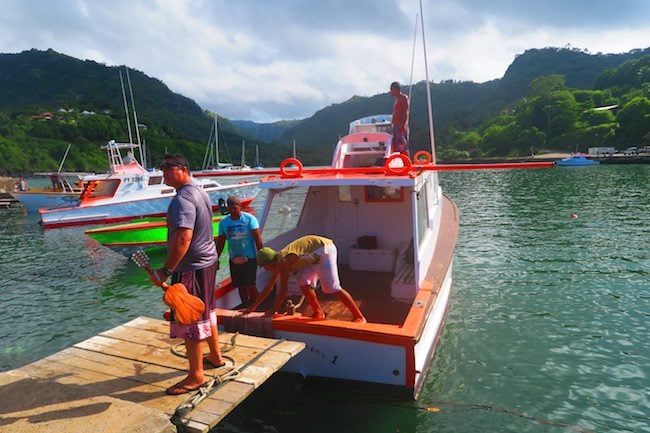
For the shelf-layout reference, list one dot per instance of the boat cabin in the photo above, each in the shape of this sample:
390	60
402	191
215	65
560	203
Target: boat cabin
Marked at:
384	225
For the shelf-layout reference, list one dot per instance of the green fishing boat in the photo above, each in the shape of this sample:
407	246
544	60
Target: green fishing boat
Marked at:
140	234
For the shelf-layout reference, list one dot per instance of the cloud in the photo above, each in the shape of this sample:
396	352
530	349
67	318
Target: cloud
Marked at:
285	59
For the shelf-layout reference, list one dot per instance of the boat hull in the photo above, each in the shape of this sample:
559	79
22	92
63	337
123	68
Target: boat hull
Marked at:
576	162
127	210
141	234
33	200
394	355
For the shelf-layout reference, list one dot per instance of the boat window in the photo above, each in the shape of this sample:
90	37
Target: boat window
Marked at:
284	212
345	193
105	188
384	193
155	180
422	212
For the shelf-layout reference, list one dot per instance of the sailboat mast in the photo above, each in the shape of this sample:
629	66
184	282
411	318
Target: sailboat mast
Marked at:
293	149
126	108
135	118
426	69
243	151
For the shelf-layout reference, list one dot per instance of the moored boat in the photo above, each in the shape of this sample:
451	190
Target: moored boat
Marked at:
64	191
401	280
130	191
576	160
140	234
402	285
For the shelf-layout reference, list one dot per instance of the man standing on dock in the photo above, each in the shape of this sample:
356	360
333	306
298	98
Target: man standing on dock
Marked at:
191	260
242	231
400	119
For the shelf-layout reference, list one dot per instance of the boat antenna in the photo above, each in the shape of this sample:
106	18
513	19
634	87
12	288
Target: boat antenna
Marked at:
415	35
426	71
135	115
126	108
64	157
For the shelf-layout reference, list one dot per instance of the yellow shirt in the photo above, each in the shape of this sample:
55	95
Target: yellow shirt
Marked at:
304	248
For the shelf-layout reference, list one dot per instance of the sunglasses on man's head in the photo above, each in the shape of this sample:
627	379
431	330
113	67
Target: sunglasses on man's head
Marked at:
165	165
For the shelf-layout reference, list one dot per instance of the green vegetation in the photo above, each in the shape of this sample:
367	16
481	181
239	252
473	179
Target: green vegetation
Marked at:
548	99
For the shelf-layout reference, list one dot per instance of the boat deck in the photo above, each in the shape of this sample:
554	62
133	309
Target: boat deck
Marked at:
114	381
371	292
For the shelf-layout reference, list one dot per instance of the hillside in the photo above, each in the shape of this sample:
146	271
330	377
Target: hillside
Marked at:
456	105
86	105
48	100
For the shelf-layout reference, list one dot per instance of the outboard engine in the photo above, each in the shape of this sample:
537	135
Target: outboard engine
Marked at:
223	208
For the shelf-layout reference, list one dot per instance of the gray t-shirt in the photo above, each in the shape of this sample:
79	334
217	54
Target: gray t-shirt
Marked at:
191	208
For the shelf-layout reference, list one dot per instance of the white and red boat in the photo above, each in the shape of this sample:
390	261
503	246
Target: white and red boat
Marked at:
402	284
63	191
130	191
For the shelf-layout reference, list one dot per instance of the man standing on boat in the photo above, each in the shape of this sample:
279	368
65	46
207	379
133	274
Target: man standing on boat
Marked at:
313	258
242	231
400	119
191	260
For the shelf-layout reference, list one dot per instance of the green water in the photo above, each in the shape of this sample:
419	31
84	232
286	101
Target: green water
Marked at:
546	331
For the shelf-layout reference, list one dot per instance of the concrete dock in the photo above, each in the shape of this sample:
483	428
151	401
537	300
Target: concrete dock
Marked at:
115	382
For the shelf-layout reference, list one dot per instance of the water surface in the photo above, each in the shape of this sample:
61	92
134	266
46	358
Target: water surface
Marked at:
547	330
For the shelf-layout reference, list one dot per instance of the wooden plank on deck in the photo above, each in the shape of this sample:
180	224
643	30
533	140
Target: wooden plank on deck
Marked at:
115	381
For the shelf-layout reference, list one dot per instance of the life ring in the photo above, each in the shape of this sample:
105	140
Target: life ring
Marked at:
406	167
291	173
418	154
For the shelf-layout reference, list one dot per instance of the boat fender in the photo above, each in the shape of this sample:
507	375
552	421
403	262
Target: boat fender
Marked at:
422	153
404	169
291	173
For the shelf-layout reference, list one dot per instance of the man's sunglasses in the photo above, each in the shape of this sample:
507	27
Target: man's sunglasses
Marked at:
166	165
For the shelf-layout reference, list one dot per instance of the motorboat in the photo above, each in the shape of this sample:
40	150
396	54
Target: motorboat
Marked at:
64	190
141	234
402	284
576	160
129	191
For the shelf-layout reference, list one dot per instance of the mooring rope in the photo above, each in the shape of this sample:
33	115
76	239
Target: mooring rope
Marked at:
215	383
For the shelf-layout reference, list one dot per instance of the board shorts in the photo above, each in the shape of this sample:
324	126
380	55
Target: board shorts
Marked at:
199	283
326	271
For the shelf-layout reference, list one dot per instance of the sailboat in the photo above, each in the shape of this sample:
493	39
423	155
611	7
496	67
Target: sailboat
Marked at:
243	165
211	159
258	166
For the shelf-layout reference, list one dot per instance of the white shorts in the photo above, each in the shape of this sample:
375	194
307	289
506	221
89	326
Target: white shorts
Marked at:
326	271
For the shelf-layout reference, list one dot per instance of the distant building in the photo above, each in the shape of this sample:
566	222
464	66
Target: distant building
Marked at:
596	151
46	115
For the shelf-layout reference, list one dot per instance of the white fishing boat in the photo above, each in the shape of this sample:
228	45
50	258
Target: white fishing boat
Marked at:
401	279
402	284
130	191
64	190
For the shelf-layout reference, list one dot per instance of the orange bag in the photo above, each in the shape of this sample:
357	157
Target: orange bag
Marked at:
187	308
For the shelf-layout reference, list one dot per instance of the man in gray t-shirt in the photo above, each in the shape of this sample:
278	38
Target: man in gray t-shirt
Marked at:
191	260
191	209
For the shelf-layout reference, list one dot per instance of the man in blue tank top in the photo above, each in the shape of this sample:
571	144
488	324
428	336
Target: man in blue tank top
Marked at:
191	260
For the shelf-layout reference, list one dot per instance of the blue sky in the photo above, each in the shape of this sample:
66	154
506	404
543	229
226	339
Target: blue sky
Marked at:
268	60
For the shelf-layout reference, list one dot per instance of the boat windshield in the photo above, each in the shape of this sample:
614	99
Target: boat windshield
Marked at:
284	211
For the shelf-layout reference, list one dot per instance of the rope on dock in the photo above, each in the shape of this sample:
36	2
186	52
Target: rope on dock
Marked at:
214	384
